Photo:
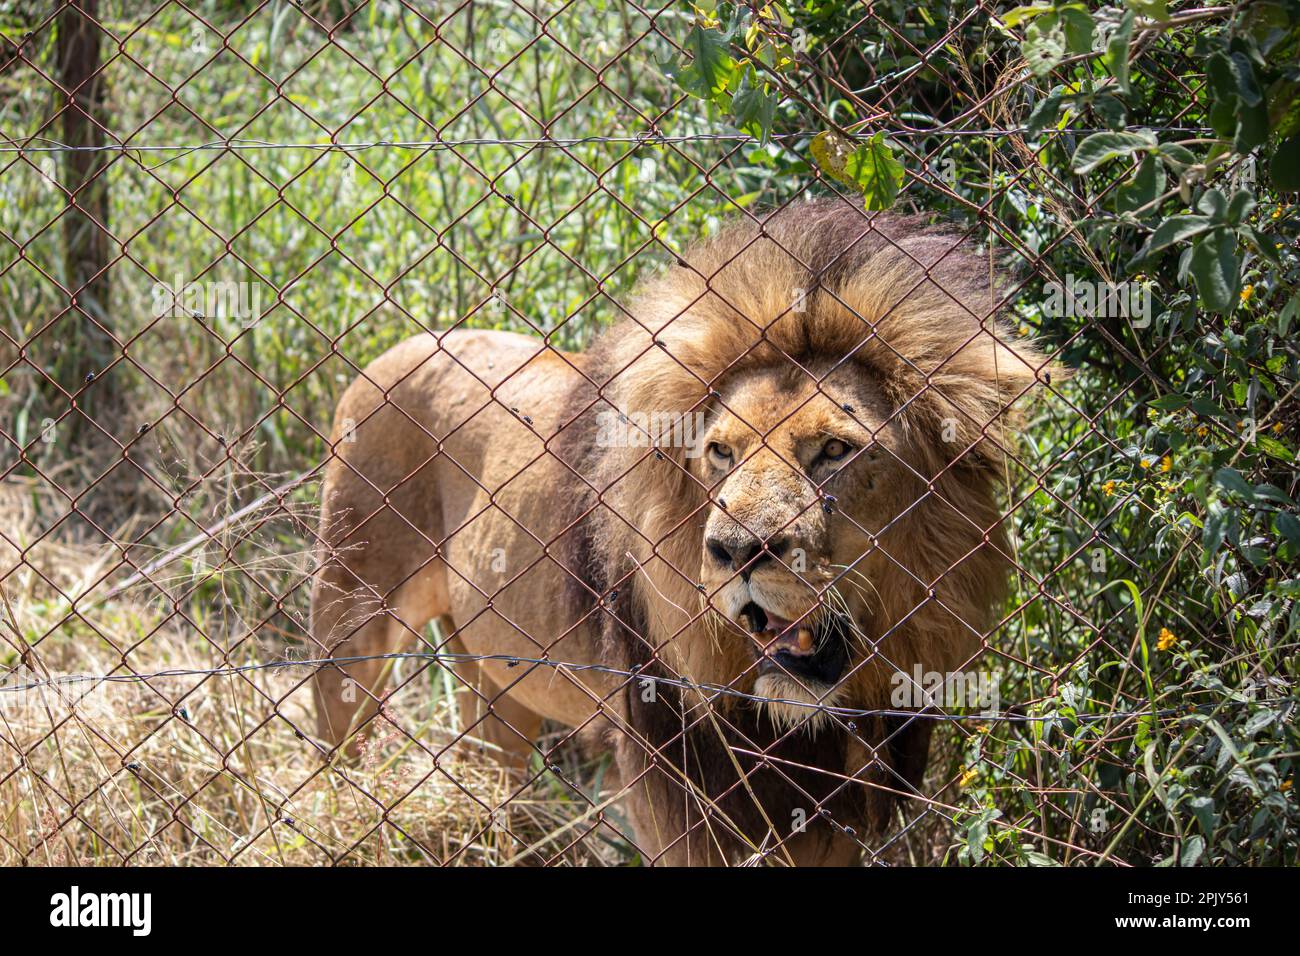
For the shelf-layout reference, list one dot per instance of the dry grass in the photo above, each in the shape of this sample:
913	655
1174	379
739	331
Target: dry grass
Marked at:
203	769
210	769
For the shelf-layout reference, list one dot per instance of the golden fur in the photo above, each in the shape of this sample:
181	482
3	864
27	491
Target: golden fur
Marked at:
819	322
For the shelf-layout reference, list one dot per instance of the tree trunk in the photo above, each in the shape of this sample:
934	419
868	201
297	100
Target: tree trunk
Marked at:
86	347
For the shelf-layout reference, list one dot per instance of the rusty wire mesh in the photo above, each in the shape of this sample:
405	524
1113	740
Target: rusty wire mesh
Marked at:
161	531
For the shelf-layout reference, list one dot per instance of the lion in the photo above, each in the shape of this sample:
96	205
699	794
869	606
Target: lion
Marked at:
723	604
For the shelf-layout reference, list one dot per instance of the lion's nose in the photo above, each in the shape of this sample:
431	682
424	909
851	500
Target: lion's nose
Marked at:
747	552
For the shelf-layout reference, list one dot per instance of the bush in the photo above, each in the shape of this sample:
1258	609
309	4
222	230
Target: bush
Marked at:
1149	648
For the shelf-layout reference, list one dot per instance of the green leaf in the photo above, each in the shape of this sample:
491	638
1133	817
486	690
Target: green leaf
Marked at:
1238	110
1155	9
1169	403
1287	525
1147	183
1044	45
1101	147
1212	534
753	109
1284	167
1207	408
1223	117
869	168
1274	448
1111	110
1288	314
1266	245
1044	115
1223	86
1013	18
1252	128
1218	71
1230	480
1192	850
1176	157
1215	271
831	152
1076	24
1174	229
1244	73
876	172
1215	205
1284	107
1267	492
1116	58
975	837
1240	206
711	67
1203	807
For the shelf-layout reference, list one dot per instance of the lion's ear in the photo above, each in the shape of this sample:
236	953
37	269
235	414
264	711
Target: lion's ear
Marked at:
970	406
921	315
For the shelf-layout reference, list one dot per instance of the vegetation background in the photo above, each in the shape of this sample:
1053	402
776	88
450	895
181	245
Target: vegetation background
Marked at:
373	169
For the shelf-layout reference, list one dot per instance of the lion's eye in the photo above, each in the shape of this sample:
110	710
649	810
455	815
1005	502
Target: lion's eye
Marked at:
835	449
720	455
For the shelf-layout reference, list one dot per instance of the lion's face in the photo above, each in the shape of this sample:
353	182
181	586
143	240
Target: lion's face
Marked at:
854	453
802	477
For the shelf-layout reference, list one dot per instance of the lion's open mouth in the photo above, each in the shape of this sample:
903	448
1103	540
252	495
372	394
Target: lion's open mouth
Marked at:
808	650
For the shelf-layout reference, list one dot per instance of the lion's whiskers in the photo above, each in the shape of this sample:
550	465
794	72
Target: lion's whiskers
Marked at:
863	639
713	624
864	579
835	603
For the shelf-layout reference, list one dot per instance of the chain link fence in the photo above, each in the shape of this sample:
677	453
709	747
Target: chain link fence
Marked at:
562	434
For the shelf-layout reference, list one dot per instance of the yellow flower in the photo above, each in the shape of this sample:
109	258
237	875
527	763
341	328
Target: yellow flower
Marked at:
1109	487
1277	428
1145	463
1202	431
1167	639
1247	292
1166	463
966	778
1286	785
1277	213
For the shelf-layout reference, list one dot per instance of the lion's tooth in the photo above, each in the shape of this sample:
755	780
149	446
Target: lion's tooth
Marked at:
805	640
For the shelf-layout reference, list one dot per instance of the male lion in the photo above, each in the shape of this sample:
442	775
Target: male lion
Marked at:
836	523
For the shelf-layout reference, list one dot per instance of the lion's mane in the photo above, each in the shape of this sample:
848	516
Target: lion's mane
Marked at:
916	307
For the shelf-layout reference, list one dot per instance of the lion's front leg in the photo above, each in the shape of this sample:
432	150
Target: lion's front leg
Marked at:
669	827
672	827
